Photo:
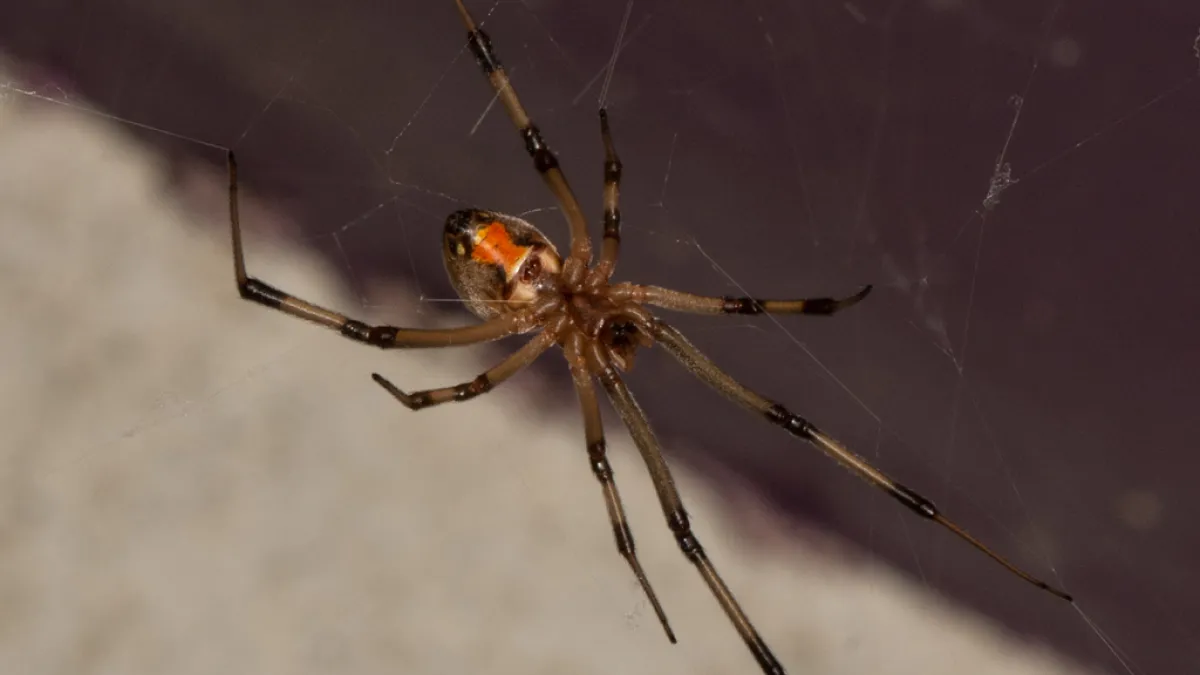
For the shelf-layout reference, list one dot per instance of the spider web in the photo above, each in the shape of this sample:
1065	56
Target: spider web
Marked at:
1013	178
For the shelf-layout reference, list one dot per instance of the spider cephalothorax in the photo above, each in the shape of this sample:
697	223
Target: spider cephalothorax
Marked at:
510	275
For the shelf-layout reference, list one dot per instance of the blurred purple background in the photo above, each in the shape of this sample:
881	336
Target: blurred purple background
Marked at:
1030	367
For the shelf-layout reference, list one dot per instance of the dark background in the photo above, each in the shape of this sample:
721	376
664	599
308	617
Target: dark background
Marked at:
1027	362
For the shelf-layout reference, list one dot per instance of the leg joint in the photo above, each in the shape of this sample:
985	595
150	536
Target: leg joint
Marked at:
602	470
596	450
681	527
915	502
678	521
612	171
417	400
596	456
543	159
468	391
356	330
794	424
731	305
690	545
262	293
481	47
379	336
612	223
382	336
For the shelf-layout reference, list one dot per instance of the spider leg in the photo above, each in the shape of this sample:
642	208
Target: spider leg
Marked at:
701	304
677	518
611	245
543	158
597	456
700	366
513	364
387	337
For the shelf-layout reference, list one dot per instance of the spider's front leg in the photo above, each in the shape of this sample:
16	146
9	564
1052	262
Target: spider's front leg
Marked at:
611	245
539	151
386	337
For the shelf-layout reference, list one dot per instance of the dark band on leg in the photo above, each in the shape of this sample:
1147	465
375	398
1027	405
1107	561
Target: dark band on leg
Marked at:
600	466
481	47
915	502
612	224
378	336
612	172
802	428
543	159
262	293
681	527
732	305
791	422
468	391
356	330
418	400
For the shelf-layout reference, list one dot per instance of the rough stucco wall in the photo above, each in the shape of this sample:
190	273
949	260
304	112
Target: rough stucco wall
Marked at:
194	485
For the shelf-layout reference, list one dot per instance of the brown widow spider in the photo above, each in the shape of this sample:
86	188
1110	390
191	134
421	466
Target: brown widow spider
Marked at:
513	278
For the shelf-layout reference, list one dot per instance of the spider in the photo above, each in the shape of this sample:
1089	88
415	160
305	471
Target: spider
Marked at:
512	277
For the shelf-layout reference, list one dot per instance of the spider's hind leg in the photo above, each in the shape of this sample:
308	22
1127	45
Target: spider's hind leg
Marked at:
691	303
677	518
597	457
703	368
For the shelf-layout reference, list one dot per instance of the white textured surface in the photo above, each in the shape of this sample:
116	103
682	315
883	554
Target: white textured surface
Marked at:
191	484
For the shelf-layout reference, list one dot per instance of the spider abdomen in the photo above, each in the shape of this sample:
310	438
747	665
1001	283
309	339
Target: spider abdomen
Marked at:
498	263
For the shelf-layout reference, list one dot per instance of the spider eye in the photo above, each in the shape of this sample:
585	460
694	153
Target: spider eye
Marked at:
460	249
